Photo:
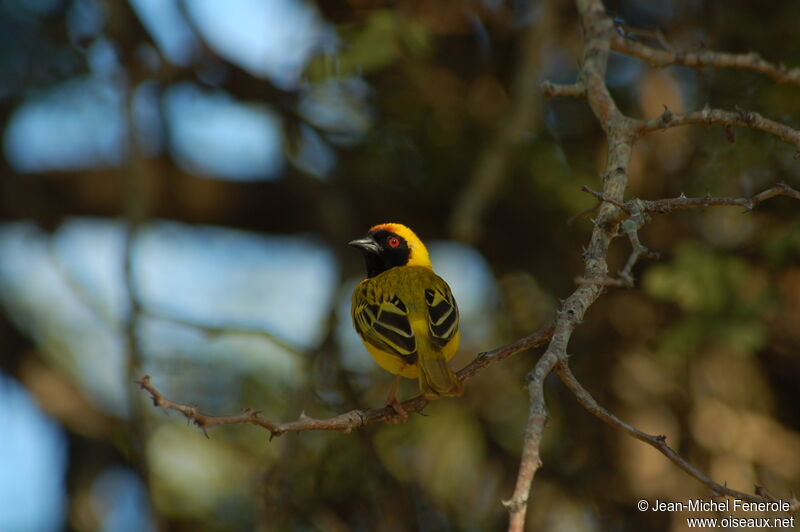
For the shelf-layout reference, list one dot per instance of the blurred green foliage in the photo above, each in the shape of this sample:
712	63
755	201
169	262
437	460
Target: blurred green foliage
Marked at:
782	247
371	45
721	297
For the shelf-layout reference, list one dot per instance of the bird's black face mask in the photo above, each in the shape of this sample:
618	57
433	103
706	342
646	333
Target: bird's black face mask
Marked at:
382	250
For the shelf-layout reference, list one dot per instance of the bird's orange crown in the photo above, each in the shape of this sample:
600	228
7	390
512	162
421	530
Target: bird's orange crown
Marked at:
418	255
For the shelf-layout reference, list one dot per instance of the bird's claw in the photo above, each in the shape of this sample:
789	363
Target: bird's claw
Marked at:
400	415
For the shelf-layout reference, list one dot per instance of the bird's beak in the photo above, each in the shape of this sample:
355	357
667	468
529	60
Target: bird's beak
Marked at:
367	244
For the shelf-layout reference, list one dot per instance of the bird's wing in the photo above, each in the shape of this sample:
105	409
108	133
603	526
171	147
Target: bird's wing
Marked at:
442	313
384	324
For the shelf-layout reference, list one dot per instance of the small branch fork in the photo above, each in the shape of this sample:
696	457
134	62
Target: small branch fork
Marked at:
707	116
637	213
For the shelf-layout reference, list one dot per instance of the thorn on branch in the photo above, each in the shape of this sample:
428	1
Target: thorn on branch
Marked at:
602	197
705	114
745	115
666	117
764	492
650	254
731	134
514	506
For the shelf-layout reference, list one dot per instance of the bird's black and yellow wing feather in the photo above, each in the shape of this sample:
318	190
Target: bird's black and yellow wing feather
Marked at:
409	320
442	313
384	323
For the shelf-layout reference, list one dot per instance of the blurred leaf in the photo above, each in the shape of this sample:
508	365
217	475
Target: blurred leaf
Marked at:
553	175
439	455
720	295
783	246
383	38
697	279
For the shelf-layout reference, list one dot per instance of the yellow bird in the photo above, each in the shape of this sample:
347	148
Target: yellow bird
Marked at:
405	313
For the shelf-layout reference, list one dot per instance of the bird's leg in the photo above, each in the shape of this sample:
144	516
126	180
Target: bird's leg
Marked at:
395	404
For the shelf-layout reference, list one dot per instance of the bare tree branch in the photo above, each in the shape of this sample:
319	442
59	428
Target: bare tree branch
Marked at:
682	203
523	110
658	442
346	421
637	211
530	461
706	58
708	116
557	90
596	27
136	208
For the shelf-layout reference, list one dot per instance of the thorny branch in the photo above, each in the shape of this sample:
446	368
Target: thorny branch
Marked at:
682	203
557	90
707	116
347	421
637	211
597	28
658	442
705	58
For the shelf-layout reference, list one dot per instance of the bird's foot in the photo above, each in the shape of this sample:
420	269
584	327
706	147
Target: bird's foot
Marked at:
400	415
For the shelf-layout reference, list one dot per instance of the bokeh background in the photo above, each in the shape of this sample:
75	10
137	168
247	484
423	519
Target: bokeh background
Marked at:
180	179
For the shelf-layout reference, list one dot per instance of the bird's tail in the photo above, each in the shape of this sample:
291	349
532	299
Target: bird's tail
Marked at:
436	378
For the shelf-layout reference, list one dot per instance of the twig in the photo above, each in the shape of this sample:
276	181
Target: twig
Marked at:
708	116
558	90
658	442
603	197
596	26
636	211
706	58
492	165
683	203
135	210
347	421
631	228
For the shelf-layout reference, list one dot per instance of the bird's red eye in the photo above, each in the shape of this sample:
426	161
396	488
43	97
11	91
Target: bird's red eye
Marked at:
394	241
